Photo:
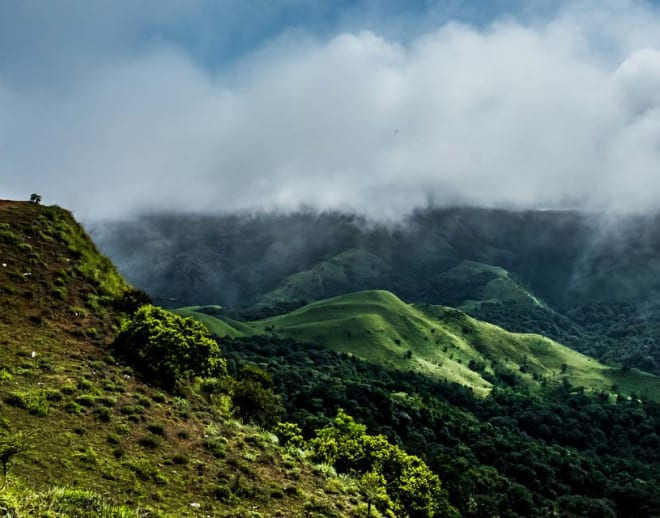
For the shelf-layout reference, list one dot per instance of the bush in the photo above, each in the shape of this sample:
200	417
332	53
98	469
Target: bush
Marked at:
289	434
86	400
34	402
215	447
254	399
156	429
166	347
149	441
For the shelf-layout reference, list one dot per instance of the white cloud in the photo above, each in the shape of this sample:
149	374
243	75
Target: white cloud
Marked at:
546	114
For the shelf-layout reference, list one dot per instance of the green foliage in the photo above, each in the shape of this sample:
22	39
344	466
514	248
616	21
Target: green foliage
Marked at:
216	446
34	401
412	486
600	287
9	237
60	502
11	445
372	488
289	434
107	430
253	397
167	348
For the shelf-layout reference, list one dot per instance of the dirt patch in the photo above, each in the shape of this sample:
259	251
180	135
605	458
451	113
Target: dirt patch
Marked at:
8	204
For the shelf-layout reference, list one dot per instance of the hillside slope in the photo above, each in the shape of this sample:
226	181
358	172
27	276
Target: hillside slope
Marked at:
93	427
351	270
441	342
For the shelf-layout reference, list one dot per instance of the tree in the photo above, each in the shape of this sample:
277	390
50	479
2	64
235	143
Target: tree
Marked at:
35	198
253	397
167	347
413	488
372	489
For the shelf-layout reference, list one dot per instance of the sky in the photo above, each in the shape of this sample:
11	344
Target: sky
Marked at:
110	108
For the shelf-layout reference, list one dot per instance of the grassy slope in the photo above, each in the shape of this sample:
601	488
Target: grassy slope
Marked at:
379	327
501	288
92	424
336	275
216	326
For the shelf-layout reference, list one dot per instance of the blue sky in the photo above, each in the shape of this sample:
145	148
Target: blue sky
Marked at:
38	37
111	107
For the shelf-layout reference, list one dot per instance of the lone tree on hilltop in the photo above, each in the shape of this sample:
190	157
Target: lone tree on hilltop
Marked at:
35	198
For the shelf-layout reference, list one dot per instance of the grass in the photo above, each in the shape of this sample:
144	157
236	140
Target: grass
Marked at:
336	275
18	500
442	342
497	285
216	326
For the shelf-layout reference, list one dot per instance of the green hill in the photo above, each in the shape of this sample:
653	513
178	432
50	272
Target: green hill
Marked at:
91	438
347	271
471	283
441	342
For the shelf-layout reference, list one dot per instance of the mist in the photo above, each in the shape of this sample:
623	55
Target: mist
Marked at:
560	110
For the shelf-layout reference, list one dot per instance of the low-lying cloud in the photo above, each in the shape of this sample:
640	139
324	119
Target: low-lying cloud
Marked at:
560	113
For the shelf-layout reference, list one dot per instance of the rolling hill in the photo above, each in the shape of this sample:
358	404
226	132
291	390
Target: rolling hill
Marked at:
350	270
441	342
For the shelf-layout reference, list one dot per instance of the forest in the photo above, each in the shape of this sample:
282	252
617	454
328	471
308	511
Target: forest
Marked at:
511	454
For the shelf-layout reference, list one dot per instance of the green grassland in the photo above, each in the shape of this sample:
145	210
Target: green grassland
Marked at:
438	341
217	326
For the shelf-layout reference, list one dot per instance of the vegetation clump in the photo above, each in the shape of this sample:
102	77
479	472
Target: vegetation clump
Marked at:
385	470
167	348
253	397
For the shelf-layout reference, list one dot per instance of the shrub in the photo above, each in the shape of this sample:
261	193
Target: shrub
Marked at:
107	401
132	409
215	447
156	428
34	402
223	493
86	400
166	347
68	388
385	470
72	407
102	414
145	470
53	395
253	397
179	459
149	441
289	434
